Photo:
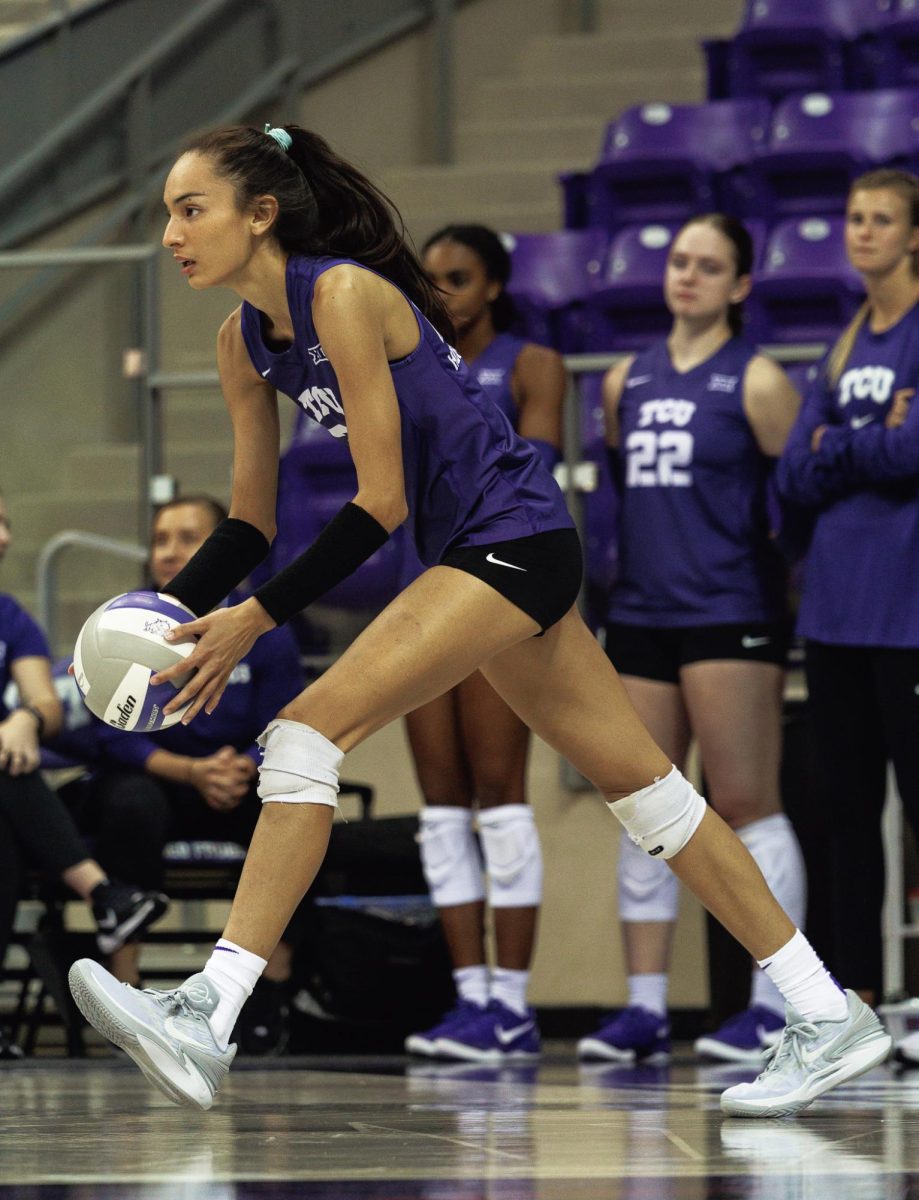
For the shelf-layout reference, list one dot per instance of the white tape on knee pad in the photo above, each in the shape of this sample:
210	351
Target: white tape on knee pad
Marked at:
450	856
299	765
513	856
662	817
648	889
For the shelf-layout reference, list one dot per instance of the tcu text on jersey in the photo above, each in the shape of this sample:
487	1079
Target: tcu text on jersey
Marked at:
319	402
866	383
660	458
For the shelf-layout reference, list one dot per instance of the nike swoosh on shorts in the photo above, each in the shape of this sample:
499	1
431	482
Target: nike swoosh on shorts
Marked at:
500	563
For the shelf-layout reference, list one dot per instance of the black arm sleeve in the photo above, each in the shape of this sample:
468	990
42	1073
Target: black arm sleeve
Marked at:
233	550
348	540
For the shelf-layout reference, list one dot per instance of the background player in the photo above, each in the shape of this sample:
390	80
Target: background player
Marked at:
470	748
698	626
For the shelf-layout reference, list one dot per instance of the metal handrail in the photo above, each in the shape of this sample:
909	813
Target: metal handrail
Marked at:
46	568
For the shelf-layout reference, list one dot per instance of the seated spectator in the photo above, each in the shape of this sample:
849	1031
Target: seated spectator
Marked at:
196	781
36	830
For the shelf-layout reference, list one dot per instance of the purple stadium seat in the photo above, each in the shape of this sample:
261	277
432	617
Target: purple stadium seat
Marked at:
663	162
551	276
820	142
786	46
628	297
894	52
316	478
806	290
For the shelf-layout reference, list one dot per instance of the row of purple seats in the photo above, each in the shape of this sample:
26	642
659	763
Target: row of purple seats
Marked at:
662	162
584	292
784	46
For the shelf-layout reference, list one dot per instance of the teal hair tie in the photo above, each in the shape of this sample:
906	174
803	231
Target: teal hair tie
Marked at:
281	136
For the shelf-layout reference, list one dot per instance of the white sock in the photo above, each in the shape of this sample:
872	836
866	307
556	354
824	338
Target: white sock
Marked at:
510	988
764	993
650	992
805	982
472	984
235	972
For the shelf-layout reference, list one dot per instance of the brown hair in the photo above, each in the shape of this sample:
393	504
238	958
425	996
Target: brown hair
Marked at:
906	185
199	500
326	206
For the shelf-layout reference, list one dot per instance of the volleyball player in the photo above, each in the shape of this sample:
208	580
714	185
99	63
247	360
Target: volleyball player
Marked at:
338	314
698	628
470	748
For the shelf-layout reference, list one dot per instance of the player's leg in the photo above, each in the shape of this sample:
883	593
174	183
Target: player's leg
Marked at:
648	890
736	713
495	744
429	639
450	859
566	691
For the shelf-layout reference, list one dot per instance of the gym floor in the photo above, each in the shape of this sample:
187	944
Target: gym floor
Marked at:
390	1129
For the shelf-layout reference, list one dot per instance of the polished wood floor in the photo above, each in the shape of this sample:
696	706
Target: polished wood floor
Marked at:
388	1129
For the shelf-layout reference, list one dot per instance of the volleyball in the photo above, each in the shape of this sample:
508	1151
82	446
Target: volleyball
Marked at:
119	648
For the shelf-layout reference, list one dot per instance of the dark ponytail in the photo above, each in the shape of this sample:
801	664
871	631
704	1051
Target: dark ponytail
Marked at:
326	206
497	263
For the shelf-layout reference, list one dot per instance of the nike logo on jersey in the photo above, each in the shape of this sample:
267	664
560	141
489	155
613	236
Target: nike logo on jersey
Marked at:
749	642
637	380
500	563
266	372
506	1036
858	422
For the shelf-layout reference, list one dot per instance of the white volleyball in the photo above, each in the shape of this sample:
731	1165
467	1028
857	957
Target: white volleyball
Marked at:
119	648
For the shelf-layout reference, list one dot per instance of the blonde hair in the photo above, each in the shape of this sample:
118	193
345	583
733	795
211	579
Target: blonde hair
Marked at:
905	185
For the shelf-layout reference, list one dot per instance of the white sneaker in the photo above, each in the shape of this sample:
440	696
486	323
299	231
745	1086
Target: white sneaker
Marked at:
811	1058
168	1034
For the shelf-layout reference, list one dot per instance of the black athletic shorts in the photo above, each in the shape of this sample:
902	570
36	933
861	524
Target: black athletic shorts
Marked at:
541	573
649	652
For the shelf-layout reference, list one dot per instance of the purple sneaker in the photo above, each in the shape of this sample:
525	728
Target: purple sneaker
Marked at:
426	1043
742	1038
635	1035
496	1035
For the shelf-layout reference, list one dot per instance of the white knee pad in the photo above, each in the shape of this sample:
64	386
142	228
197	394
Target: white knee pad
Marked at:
776	851
648	889
513	856
299	765
662	817
450	856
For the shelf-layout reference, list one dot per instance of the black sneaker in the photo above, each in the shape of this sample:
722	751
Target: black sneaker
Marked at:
123	912
263	1027
8	1048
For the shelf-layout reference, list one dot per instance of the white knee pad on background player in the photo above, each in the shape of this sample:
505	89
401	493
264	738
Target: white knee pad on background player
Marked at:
775	849
513	856
299	765
662	817
648	889
450	857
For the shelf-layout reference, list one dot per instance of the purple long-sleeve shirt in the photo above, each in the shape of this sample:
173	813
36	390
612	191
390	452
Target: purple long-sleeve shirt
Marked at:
862	484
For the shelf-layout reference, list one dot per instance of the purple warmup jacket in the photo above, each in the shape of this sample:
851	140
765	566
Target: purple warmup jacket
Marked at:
862	485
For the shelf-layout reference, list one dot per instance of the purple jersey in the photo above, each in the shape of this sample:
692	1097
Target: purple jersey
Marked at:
469	479
694	545
861	484
493	371
20	637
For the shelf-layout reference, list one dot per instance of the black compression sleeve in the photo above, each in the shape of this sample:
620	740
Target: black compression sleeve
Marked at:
233	550
348	540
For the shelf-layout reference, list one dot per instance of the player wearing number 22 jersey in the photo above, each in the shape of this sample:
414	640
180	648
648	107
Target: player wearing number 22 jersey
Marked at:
694	546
